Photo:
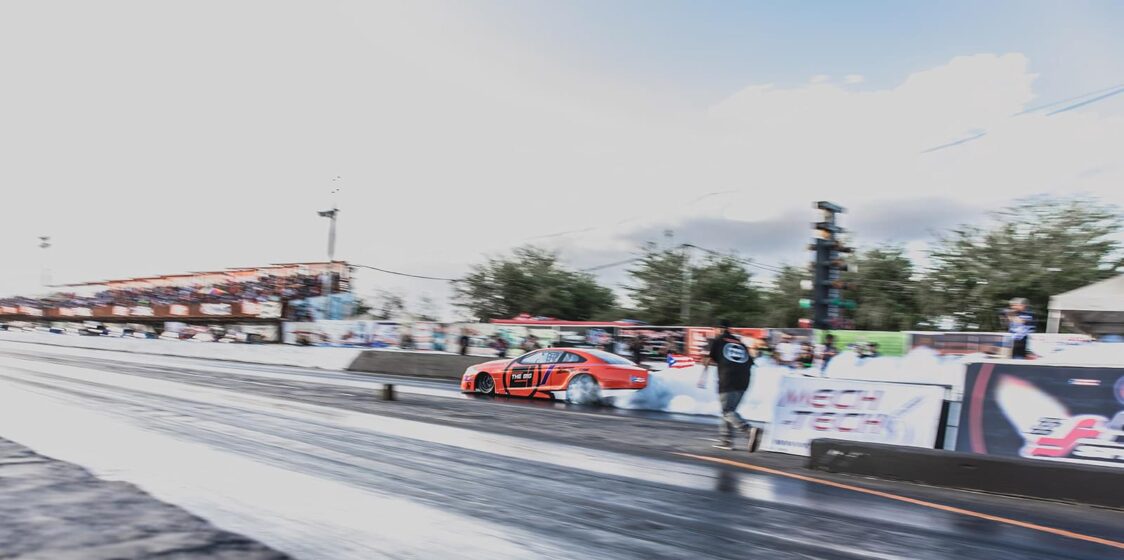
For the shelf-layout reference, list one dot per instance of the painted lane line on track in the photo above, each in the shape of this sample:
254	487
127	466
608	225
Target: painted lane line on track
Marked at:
914	501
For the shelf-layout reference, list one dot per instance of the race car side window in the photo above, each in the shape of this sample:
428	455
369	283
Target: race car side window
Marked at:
533	358
572	358
552	357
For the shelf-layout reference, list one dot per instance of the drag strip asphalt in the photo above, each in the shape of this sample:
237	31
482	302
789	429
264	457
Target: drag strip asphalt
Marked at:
309	462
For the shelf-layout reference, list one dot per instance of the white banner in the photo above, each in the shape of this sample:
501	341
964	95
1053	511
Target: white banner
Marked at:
809	408
215	309
269	310
250	308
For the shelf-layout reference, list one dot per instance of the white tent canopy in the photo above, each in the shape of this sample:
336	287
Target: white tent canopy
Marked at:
1097	309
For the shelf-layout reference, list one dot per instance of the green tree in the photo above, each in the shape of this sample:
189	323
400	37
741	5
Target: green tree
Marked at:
782	298
722	288
719	287
531	281
658	283
1034	249
387	305
884	290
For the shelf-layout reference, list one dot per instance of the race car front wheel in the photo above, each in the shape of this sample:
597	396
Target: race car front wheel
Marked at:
485	384
583	389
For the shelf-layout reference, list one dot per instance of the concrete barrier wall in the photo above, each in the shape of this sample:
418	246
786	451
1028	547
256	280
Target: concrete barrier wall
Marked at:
1050	480
418	364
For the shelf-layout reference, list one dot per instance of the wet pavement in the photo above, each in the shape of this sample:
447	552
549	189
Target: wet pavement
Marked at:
437	474
54	510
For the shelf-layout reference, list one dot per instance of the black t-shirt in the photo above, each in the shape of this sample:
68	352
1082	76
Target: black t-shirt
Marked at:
734	362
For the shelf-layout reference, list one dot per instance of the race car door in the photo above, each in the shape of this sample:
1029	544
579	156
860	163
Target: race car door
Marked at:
523	378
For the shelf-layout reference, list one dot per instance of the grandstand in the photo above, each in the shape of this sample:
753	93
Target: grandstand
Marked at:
247	294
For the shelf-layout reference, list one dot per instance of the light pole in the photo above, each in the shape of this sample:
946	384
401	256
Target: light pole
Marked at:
331	215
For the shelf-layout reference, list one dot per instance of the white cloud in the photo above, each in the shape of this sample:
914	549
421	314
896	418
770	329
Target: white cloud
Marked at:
853	79
819	79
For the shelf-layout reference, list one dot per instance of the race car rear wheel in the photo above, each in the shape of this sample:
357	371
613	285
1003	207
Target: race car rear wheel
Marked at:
583	389
485	384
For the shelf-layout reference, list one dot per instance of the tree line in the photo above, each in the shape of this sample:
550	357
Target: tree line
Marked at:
1034	249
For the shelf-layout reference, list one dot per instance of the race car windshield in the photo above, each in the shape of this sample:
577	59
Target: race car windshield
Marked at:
610	358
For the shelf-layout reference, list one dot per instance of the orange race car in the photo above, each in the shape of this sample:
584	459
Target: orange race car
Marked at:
572	374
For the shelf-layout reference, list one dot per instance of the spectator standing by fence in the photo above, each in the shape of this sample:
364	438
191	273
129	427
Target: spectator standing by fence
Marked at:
465	341
1020	323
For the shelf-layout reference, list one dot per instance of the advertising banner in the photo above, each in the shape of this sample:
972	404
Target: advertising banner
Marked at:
177	310
697	340
889	343
1050	413
1044	344
384	335
809	408
120	311
269	310
141	311
250	308
960	344
423	335
327	333
217	309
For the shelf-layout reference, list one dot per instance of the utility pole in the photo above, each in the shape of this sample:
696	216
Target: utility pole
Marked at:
45	272
685	313
331	215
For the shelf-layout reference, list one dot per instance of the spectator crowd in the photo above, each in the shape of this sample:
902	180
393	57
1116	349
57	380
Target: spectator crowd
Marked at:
266	288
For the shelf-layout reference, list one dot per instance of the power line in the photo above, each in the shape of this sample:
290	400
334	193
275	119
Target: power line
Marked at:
611	265
1068	100
745	261
407	275
1084	103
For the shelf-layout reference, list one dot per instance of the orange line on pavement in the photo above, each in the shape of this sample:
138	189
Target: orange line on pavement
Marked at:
923	503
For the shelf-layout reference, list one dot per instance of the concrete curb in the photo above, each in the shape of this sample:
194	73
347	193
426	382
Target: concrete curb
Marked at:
1047	480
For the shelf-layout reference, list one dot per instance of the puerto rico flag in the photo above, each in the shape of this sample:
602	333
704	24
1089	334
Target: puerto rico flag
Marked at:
677	361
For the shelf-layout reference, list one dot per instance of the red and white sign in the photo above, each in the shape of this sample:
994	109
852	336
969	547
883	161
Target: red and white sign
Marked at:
120	311
697	341
178	310
809	408
25	310
141	311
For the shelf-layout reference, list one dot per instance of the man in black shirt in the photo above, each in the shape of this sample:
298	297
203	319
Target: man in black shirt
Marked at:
735	363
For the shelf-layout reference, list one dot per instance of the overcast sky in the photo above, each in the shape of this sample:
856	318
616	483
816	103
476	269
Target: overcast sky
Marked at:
161	137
